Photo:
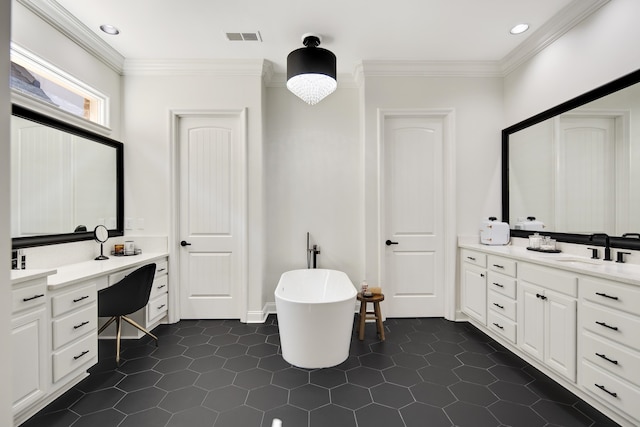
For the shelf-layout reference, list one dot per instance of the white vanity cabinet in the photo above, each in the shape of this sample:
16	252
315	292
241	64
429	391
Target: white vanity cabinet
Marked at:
74	326
501	297
474	285
610	342
547	304
29	343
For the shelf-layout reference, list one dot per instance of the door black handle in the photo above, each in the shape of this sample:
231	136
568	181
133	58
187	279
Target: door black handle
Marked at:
185	243
389	243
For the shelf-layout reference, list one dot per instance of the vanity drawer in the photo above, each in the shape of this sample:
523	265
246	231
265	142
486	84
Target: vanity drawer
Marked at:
612	357
162	267
157	308
614	295
75	356
502	325
610	389
555	280
159	286
502	284
502	304
29	296
75	325
73	299
502	265
476	258
619	327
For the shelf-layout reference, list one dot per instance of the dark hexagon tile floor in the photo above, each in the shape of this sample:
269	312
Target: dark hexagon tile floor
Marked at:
223	373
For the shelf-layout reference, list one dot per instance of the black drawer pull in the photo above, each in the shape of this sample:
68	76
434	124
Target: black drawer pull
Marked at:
498	305
81	298
471	258
498	266
161	306
615	328
80	355
542	297
501	327
481	274
33	297
615	362
160	270
86	322
603	388
606	296
498	285
160	287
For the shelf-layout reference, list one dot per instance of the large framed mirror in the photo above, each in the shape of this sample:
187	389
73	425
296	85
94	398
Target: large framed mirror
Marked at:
576	167
64	181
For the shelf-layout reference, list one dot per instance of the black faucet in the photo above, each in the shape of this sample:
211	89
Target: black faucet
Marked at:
607	248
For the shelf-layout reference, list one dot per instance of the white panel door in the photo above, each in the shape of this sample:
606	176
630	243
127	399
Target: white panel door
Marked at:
412	216
531	319
212	216
585	197
560	334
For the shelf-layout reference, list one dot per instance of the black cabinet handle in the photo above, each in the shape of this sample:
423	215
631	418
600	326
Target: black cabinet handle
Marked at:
498	305
471	258
603	388
615	328
542	297
498	285
501	327
481	274
86	322
615	362
161	306
81	298
498	266
160	287
160	270
185	243
33	297
80	355
389	243
606	296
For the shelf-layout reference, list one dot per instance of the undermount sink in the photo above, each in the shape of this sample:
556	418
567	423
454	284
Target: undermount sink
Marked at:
577	260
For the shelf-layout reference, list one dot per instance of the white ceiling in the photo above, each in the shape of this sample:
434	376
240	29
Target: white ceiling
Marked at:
355	30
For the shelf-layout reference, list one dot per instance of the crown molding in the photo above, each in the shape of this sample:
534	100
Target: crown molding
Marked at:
219	67
574	13
59	18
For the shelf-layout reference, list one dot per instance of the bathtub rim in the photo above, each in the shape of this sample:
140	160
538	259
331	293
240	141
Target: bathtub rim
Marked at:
352	294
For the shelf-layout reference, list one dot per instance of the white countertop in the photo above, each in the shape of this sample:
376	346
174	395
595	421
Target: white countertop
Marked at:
73	273
621	272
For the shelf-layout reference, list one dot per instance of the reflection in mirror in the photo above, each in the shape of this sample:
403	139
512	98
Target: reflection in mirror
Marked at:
574	167
64	181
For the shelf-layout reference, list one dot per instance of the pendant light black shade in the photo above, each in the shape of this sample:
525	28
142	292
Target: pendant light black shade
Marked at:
311	71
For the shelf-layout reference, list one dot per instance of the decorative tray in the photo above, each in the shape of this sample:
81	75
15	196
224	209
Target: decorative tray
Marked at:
547	251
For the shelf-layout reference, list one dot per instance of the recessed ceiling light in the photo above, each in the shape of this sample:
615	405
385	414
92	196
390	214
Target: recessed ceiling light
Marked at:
110	29
519	29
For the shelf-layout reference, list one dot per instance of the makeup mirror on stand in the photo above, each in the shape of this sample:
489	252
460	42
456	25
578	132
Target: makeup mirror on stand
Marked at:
101	234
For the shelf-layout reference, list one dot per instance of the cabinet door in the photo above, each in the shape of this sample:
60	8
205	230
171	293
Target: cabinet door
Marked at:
531	319
28	346
560	334
474	293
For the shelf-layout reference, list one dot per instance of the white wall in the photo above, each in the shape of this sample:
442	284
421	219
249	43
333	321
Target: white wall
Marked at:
6	398
478	121
313	183
598	50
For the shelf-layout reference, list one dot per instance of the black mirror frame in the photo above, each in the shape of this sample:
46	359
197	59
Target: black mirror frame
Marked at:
52	239
599	92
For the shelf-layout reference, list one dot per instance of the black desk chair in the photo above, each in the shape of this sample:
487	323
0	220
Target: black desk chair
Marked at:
126	297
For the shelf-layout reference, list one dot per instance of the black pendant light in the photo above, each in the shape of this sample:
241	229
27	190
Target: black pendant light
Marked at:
311	71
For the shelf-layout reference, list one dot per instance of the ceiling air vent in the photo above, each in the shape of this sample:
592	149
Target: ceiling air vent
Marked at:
244	37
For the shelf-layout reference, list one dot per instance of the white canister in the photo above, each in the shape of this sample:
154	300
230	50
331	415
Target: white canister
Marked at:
129	247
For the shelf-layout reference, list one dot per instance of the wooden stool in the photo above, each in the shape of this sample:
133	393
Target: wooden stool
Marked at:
369	315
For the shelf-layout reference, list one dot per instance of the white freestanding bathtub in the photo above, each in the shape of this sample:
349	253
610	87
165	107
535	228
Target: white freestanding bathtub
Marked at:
315	316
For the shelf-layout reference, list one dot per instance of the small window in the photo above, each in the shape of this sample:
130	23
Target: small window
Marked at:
34	77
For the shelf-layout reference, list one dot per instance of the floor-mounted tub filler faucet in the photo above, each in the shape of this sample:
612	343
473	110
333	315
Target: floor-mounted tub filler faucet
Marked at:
312	254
